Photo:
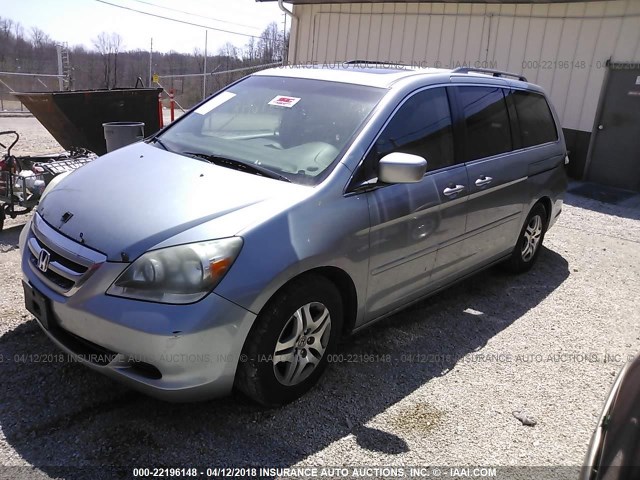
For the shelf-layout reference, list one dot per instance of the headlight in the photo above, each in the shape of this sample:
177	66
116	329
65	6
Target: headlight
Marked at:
181	274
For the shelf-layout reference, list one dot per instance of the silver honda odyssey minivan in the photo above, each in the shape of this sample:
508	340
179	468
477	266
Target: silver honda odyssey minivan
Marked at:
236	246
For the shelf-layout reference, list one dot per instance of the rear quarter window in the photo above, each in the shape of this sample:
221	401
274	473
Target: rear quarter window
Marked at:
534	119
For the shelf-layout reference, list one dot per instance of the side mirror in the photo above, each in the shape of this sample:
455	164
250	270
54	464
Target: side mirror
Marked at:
401	168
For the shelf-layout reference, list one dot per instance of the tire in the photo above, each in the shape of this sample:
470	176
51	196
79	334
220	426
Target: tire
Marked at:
283	338
526	251
8	210
2	216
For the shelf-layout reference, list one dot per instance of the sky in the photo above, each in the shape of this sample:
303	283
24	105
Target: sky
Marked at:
78	22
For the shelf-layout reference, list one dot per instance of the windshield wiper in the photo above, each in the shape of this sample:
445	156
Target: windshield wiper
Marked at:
238	165
160	142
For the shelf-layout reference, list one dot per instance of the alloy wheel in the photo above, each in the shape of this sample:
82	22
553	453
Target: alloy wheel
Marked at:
532	236
302	343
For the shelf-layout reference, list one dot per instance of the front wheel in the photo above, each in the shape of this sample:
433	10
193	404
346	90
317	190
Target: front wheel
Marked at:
287	348
529	244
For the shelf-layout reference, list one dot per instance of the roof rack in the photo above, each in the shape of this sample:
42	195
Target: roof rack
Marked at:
372	62
495	73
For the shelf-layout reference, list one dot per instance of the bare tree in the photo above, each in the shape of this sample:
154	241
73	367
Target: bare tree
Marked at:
39	42
249	53
21	46
108	46
116	46
103	45
271	43
18	31
6	37
6	27
39	38
108	63
228	50
230	57
199	57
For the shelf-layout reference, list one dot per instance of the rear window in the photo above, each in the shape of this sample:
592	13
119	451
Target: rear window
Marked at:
486	120
534	118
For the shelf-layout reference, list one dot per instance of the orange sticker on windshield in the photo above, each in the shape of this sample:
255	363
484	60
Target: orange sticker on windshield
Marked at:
284	101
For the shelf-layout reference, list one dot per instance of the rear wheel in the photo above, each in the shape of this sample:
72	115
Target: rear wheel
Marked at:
529	244
286	351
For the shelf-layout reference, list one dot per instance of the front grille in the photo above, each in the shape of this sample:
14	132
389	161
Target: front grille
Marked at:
69	263
62	282
65	262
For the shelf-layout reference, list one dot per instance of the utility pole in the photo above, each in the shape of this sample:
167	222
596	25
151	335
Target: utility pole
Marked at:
204	69
285	52
150	60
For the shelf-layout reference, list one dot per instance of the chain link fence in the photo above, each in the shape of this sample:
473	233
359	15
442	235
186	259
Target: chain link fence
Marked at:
24	82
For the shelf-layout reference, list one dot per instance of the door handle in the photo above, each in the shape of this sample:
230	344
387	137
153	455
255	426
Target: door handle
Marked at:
483	180
453	189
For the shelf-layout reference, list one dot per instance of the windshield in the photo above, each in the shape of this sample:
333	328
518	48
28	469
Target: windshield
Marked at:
293	127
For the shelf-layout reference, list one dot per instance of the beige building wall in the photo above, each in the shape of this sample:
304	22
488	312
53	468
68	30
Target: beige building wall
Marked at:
563	47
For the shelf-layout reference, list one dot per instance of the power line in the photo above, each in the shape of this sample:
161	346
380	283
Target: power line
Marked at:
196	14
175	20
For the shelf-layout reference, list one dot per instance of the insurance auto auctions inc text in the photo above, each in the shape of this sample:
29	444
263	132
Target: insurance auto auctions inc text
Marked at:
376	472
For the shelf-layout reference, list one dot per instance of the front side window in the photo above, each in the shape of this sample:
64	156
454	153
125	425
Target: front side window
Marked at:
534	119
421	126
291	126
486	120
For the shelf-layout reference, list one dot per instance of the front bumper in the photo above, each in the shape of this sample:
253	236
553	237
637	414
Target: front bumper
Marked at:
172	352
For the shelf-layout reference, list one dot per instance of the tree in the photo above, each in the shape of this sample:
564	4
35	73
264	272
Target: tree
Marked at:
271	44
116	45
18	31
108	63
108	46
228	50
6	42
103	45
249	52
39	38
6	28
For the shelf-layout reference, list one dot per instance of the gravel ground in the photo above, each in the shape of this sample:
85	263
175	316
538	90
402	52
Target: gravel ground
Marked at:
546	344
34	138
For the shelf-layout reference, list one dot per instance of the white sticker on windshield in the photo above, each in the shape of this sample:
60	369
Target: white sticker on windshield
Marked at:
214	102
284	101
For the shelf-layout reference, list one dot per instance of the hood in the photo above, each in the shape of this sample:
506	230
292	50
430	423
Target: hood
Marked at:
134	198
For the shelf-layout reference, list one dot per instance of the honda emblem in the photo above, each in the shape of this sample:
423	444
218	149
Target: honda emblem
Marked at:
43	260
